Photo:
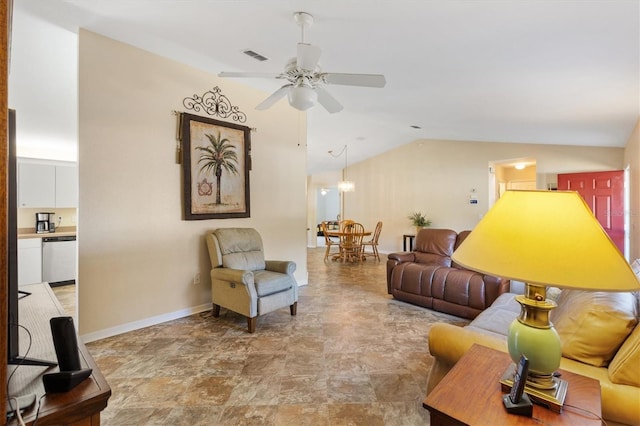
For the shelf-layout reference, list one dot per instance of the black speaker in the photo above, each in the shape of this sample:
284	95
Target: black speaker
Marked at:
65	343
64	380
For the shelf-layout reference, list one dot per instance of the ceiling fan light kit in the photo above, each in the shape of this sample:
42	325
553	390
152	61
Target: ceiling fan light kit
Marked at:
302	97
306	79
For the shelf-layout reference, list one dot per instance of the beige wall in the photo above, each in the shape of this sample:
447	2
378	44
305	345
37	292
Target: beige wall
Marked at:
137	257
632	161
438	177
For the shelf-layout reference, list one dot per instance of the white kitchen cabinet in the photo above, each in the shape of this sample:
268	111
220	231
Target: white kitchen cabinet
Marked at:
47	185
36	185
66	186
29	261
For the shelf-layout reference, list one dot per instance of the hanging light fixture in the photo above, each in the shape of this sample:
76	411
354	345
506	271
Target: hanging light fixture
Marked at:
344	185
302	96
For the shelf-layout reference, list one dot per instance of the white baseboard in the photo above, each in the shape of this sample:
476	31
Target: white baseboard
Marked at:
159	319
147	322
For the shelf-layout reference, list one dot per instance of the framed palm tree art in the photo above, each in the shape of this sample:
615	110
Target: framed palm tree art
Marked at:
215	164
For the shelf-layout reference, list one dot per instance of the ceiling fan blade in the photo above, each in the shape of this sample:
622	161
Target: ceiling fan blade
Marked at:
249	74
327	101
365	80
308	56
275	97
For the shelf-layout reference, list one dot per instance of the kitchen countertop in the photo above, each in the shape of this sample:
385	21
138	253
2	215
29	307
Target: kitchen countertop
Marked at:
64	231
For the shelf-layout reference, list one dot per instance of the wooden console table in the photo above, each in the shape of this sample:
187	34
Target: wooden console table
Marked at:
471	394
406	237
78	407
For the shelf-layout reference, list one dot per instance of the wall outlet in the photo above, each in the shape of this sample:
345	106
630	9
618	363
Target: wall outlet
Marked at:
196	279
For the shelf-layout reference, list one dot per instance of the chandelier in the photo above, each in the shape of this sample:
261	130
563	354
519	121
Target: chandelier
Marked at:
344	185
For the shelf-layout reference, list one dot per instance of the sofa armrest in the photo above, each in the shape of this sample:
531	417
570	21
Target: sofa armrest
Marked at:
234	289
405	256
393	260
495	286
282	266
448	343
237	276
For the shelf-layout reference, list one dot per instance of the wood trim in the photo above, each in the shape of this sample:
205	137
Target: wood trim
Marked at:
5	24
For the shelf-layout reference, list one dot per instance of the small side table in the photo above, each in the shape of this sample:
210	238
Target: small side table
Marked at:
406	237
471	394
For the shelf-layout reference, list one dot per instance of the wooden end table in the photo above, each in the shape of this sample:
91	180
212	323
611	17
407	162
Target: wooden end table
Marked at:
406	237
471	394
81	406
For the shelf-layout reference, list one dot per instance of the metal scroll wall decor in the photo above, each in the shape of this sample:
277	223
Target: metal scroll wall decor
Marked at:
213	102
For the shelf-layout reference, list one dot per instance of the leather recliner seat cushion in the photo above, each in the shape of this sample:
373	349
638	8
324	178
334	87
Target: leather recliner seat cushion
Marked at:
459	286
414	278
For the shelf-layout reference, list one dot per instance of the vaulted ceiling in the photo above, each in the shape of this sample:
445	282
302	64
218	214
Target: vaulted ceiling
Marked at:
523	71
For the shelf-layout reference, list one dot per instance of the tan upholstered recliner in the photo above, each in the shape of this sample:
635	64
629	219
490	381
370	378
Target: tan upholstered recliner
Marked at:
242	281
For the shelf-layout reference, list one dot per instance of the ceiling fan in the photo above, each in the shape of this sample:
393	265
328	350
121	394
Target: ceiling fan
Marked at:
306	79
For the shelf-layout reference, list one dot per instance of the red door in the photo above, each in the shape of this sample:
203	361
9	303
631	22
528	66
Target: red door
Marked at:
604	193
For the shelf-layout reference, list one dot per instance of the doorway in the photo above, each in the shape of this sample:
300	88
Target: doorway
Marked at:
519	173
327	208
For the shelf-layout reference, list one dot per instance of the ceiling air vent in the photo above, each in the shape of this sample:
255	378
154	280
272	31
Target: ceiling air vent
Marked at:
255	55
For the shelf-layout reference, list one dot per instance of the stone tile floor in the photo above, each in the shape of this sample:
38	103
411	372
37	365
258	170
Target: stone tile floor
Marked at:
352	356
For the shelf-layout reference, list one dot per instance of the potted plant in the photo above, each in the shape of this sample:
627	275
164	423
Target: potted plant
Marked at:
419	221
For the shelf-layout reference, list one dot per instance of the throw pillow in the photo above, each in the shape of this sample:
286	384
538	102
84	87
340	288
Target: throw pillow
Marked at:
593	325
624	366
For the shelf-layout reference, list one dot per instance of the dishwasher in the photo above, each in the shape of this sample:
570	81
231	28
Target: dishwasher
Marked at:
59	256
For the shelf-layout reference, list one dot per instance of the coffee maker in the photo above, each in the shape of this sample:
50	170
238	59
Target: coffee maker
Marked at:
45	222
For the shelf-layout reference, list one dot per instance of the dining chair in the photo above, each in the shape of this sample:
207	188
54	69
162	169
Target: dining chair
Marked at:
328	241
351	242
373	242
345	223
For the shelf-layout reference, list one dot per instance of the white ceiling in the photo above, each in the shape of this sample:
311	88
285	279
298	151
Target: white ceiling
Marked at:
550	72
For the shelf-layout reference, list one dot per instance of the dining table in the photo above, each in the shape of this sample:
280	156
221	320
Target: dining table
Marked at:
342	234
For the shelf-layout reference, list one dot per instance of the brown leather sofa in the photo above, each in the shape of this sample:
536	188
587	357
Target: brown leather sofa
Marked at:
428	277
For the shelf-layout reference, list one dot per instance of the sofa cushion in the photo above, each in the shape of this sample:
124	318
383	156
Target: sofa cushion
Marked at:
593	325
435	246
241	248
624	366
496	320
268	282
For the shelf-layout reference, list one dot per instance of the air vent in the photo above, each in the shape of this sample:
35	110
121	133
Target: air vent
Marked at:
255	55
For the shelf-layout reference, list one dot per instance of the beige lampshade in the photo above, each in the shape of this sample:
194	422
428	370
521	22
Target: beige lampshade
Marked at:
548	238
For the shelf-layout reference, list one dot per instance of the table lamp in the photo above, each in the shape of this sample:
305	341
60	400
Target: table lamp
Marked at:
544	238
